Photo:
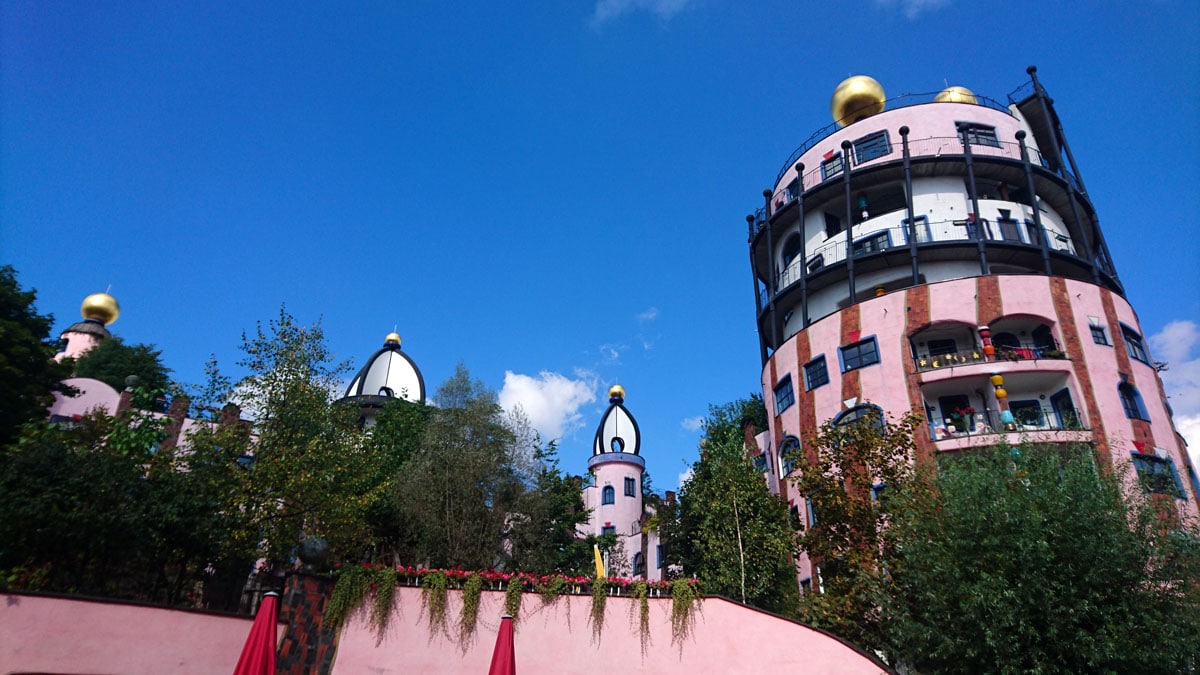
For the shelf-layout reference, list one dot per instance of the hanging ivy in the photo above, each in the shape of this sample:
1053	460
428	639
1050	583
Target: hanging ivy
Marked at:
553	588
685	599
641	591
599	600
383	585
434	587
351	588
512	598
468	620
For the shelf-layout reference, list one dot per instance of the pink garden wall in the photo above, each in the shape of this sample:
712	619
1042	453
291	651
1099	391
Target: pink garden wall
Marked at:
558	638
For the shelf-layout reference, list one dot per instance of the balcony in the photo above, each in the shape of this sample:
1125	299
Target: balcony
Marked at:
1025	419
975	356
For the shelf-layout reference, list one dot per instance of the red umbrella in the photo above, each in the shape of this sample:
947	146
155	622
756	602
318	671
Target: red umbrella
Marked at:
504	658
258	655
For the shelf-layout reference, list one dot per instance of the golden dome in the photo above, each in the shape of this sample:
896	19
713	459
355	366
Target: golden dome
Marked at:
856	98
616	391
392	339
956	95
100	306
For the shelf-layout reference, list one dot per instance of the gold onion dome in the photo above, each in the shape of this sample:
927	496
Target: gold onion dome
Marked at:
392	339
616	391
100	307
956	95
856	98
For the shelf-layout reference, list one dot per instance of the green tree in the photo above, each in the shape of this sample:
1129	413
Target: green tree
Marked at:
29	375
112	361
1035	561
729	530
848	475
458	490
542	532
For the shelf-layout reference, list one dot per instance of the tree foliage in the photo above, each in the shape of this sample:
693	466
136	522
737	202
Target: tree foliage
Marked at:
542	532
112	361
1034	561
29	375
848	474
729	530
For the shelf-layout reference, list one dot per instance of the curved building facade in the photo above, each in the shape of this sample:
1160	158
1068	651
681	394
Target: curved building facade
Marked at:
942	256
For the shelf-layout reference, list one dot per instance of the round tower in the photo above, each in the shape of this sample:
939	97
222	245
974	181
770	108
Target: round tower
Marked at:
615	496
388	374
940	254
98	310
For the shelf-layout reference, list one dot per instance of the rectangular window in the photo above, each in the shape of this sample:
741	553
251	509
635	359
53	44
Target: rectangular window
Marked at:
1134	345
806	585
658	556
784	395
833	225
630	487
859	355
939	347
979	134
832	166
816	373
1158	475
871	147
874	243
1099	336
1027	413
608	529
760	462
815	263
794	515
1033	232
920	230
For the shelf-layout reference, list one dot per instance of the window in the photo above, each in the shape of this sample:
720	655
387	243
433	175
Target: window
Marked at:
815	263
1134	344
1099	336
871	147
880	241
1131	400
979	134
791	248
658	561
862	411
789	454
878	493
920	230
630	487
784	395
859	355
1033	232
806	585
832	166
1158	475
794	516
939	347
833	225
816	373
608	495
1010	229
639	564
760	462
607	530
1027	413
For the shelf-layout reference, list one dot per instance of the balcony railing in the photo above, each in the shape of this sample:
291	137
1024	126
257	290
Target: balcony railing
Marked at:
936	146
968	357
1024	419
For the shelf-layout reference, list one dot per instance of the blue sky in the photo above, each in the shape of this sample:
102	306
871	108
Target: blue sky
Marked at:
551	193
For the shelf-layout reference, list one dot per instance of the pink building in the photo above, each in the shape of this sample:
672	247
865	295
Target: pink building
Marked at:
943	257
614	497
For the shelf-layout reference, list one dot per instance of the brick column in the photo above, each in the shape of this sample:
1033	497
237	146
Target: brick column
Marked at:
308	645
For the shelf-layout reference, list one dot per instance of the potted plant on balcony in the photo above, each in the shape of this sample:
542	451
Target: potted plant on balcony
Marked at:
961	419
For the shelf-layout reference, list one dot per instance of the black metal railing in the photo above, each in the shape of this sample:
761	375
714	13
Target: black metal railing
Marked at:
1020	418
973	356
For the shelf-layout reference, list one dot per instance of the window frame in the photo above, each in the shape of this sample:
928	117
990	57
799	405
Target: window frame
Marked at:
834	166
608	529
970	131
1135	344
787	461
1150	473
870	142
630	486
608	495
1132	402
784	392
823	373
869	244
1100	336
844	349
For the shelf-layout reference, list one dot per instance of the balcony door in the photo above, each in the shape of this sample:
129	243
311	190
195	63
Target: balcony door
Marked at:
1064	409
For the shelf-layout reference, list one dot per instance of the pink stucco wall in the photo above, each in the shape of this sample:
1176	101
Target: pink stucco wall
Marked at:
557	638
62	635
93	395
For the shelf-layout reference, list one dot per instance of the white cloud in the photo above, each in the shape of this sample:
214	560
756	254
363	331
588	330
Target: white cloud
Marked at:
913	8
648	315
685	477
611	9
1176	344
551	401
611	352
692	423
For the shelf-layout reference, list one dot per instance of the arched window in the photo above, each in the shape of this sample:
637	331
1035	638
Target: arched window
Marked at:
608	495
789	454
1131	400
791	249
639	564
863	411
